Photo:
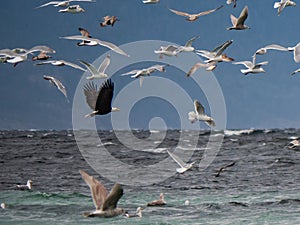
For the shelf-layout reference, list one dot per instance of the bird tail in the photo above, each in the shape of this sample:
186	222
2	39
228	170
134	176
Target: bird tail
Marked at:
276	5
192	117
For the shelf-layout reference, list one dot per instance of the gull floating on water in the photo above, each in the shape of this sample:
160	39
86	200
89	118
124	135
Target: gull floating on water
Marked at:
282	4
252	67
294	144
57	84
170	50
145	72
238	23
109	20
3	205
28	186
199	114
105	204
159	202
97	73
150	1
183	166
100	100
137	213
61	63
193	17
72	9
99	42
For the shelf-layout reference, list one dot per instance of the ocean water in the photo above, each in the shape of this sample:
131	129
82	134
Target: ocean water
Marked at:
263	187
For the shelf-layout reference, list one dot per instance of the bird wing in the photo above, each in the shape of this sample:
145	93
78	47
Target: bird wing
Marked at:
209	11
206	54
84	32
103	103
91	94
160	68
297	53
131	72
260	64
112	47
190	42
248	64
171	48
195	67
72	65
221	48
276	47
8	52
112	199
45	62
243	16
199	109
104	64
89	66
98	191
180	13
40	48
48	3
233	20
58	84
177	159
296	71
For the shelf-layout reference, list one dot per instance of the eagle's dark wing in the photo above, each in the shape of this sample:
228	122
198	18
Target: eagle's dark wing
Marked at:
91	94
103	103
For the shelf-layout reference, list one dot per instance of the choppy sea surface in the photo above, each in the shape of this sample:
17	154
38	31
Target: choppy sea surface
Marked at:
262	187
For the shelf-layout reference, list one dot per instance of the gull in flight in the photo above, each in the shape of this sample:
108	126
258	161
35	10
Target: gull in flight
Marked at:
145	72
199	114
98	42
224	168
170	50
85	33
41	56
252	67
228	2
159	202
57	84
109	20
193	17
72	9
100	100
61	63
105	204
15	57
209	67
282	4
97	73
238	23
137	213
183	166
28	186
150	1
63	3
188	45
296	71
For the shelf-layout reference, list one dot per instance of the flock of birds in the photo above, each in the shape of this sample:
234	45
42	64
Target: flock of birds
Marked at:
100	99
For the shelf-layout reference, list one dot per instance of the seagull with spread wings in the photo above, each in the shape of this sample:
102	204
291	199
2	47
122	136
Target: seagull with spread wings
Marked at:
193	17
183	166
105	203
238	23
282	4
252	67
63	3
199	114
61	63
97	73
57	84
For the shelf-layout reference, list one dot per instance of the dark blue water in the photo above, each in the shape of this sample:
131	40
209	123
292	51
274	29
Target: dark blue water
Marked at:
262	187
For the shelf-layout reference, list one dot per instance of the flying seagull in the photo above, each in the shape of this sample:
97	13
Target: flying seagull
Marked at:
99	100
61	63
72	9
28	186
193	17
145	72
238	23
97	73
57	84
105	204
63	3
98	42
150	1
109	20
183	166
223	168
264	50
170	50
282	4
188	45
209	67
159	202
252	67
199	114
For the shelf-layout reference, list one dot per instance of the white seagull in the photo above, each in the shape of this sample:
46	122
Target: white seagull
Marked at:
105	204
57	84
238	23
199	114
72	9
183	166
137	213
188	45
61	63
28	186
170	50
209	67
264	50
97	73
150	1
252	67
145	72
63	3
282	4
99	42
